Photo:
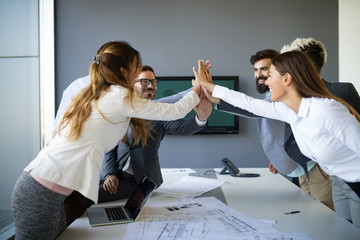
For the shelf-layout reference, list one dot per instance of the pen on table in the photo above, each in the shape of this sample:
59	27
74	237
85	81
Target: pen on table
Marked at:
293	212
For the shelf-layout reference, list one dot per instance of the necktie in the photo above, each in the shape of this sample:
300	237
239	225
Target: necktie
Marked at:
124	151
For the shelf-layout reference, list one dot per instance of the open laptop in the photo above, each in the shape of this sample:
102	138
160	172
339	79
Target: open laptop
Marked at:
123	213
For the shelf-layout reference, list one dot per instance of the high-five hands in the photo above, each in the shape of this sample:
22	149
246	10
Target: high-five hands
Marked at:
196	84
203	76
204	108
197	88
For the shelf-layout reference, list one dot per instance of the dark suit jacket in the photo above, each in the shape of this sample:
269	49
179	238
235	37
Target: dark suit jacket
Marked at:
345	91
145	160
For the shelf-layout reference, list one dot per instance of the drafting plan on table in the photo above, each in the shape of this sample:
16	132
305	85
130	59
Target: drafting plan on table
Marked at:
202	218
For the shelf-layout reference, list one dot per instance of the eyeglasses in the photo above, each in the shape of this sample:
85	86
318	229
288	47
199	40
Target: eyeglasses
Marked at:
146	81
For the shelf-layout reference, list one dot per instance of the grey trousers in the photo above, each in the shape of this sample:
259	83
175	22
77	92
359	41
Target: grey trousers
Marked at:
38	212
346	201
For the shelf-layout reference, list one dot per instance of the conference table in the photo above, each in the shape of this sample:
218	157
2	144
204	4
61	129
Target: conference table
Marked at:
268	196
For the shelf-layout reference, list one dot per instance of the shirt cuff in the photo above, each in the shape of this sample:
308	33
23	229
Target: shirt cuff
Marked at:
199	123
219	91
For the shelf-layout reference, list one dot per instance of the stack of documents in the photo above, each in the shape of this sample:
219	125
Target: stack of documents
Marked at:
189	187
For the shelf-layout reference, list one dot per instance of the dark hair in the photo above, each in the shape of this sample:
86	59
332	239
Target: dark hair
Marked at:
316	54
305	77
267	53
147	68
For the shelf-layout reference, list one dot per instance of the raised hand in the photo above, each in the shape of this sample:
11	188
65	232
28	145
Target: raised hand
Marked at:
207	71
210	97
204	108
203	78
196	87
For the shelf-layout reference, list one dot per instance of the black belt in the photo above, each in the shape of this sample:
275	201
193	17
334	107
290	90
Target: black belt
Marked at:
355	187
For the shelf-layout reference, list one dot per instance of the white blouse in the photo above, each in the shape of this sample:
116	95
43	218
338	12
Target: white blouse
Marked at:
324	129
77	164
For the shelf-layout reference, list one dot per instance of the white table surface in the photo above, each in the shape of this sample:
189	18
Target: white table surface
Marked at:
266	197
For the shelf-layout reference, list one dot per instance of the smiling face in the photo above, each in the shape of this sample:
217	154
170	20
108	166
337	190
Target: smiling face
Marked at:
149	90
261	73
276	84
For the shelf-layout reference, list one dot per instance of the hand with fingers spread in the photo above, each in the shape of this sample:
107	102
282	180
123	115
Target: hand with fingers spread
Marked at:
207	71
201	76
204	77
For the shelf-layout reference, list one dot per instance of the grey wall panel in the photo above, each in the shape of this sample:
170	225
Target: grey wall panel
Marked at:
19	28
20	96
20	120
171	35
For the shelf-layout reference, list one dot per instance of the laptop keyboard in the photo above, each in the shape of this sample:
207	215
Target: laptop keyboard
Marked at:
115	213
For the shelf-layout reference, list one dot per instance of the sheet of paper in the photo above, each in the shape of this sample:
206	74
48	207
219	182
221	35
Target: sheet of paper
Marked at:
202	218
184	206
176	170
189	186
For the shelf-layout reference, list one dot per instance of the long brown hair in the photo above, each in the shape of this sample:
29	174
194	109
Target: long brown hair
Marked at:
305	77
104	72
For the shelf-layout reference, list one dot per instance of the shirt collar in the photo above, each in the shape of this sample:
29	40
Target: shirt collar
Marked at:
268	96
304	107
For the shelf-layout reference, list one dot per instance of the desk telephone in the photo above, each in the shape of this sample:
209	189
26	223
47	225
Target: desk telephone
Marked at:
229	167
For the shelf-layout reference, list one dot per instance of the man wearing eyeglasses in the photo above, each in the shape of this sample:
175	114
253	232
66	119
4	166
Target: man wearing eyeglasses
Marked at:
125	165
146	84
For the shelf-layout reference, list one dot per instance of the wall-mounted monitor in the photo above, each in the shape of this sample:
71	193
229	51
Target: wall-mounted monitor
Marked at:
218	122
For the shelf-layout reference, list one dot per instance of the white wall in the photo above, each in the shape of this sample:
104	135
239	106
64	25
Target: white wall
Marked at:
349	42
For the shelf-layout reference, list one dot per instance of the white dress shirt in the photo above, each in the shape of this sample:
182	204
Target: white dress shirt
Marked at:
77	164
324	129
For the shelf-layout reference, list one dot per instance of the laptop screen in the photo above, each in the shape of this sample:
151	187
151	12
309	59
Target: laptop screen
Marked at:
139	197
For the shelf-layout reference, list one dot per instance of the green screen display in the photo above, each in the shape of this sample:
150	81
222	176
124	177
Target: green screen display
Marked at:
218	122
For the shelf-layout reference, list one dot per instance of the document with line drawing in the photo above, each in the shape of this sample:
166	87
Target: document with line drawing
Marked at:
206	219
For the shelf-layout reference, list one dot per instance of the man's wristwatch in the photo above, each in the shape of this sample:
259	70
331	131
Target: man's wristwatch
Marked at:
108	175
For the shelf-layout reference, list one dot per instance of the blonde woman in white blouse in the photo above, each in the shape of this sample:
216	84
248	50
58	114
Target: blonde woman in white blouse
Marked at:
326	128
91	126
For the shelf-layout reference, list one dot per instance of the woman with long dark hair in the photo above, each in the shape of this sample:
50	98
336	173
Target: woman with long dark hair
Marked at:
326	128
